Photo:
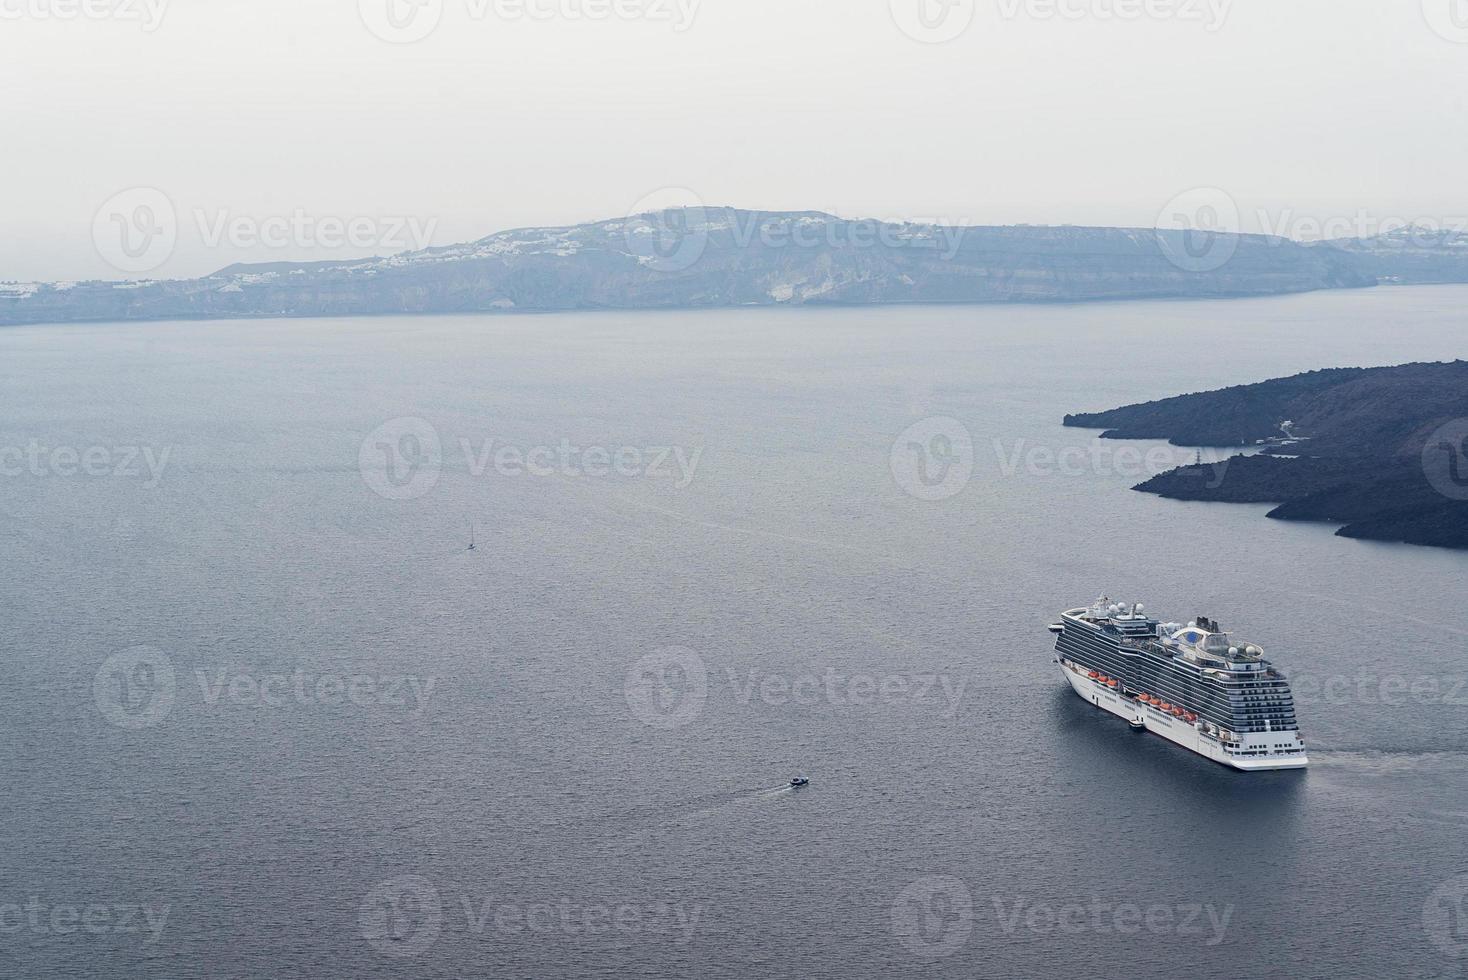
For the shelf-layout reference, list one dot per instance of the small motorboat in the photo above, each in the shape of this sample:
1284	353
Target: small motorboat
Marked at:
799	781
1137	724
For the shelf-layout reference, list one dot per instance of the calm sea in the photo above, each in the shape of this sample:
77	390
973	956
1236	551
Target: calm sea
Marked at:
269	717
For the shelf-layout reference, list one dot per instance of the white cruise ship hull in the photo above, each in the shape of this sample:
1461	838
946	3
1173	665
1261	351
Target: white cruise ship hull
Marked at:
1173	729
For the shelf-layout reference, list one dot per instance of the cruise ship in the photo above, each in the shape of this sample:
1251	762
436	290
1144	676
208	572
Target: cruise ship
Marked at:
1192	684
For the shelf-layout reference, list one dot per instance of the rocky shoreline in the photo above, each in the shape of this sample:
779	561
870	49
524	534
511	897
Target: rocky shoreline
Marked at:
1381	451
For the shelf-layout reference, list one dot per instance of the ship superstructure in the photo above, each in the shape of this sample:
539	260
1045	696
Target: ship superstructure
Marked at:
1192	684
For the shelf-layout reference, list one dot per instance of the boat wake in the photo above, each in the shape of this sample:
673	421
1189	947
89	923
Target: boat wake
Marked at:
661	814
1389	761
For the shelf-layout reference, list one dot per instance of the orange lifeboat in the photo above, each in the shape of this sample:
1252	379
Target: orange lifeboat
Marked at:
1146	699
1179	712
1112	683
1166	707
1093	675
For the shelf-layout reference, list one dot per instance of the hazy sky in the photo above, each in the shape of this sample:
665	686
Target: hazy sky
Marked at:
298	121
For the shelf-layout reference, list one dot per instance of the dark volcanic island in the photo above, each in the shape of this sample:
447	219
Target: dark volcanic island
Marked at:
1383	451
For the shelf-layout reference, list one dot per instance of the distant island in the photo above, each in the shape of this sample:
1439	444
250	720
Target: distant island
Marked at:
1382	451
726	257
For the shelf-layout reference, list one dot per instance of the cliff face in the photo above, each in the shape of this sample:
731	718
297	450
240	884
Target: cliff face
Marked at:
1410	255
719	258
1383	451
